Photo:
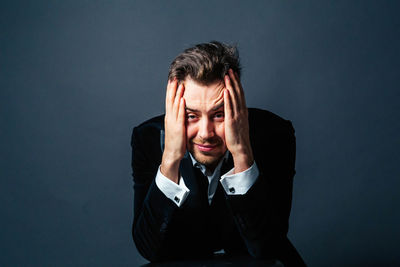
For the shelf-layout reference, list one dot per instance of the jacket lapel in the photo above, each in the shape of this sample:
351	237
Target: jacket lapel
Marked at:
191	177
227	165
186	170
195	181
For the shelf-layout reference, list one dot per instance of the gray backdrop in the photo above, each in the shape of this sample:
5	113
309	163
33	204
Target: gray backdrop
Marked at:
76	76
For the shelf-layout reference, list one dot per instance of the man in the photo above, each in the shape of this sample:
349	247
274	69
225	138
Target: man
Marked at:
212	174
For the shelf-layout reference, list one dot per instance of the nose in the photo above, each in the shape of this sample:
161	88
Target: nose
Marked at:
206	129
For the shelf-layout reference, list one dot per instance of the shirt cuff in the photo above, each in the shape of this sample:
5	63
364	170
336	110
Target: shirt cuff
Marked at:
239	183
176	192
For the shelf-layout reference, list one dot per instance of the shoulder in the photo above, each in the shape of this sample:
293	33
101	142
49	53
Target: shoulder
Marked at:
273	141
270	134
153	123
268	122
148	129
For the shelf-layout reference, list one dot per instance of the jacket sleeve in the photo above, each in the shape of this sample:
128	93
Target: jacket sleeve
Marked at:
161	230
152	209
262	214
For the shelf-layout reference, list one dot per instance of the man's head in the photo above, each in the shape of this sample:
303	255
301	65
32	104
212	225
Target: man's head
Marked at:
202	69
205	63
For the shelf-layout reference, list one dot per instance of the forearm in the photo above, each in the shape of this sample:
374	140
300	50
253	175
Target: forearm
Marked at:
151	222
243	160
262	215
151	207
163	232
170	166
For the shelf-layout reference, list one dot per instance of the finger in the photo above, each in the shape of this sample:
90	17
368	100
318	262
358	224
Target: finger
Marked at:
241	90
181	113
232	95
228	112
238	88
167	96
177	99
171	91
236	76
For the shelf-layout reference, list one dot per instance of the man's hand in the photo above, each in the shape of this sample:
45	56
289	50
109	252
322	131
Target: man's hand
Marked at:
175	132
237	124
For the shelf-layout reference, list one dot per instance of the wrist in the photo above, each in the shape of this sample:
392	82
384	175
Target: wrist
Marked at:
170	168
242	161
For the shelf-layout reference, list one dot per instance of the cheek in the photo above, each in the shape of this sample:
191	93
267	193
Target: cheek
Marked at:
191	131
220	131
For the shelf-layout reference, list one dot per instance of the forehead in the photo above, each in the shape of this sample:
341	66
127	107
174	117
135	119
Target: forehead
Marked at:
203	97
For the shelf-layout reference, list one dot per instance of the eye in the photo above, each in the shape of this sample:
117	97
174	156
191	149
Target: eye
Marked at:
219	115
191	117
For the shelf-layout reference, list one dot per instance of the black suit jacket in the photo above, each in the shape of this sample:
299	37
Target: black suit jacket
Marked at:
255	223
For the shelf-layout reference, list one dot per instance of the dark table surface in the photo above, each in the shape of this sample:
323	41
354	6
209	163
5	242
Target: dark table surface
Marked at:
218	260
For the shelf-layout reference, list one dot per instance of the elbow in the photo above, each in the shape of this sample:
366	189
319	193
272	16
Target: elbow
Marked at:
262	250
256	253
144	248
146	252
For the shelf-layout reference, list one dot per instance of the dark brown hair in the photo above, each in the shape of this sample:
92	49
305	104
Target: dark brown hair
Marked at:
205	63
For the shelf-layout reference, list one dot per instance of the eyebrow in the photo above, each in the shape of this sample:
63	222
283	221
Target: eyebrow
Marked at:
213	109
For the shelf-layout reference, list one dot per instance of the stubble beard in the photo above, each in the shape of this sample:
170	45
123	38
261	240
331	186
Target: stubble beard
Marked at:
208	159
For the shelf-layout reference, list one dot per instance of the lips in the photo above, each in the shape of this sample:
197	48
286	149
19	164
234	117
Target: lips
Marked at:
205	148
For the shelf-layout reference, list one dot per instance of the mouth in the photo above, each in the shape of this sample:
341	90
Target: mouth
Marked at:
205	148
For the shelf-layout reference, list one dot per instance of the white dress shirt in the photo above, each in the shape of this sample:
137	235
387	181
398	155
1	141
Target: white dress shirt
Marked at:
233	184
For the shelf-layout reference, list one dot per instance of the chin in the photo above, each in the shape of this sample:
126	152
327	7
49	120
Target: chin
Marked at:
207	159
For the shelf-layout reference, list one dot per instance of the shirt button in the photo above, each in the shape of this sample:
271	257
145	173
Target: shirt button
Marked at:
232	190
177	199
